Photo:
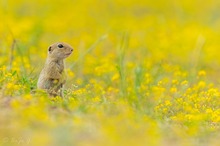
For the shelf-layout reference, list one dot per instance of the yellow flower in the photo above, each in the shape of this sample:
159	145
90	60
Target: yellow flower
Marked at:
168	103
184	83
201	73
70	73
175	82
10	86
115	77
201	84
209	111
96	99
173	90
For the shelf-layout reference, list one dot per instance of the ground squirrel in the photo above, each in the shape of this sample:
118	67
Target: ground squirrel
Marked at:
52	77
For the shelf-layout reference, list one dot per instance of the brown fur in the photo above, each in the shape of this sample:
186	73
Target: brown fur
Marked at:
52	77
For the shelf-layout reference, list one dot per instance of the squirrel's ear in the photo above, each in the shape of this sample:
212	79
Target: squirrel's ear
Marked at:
49	49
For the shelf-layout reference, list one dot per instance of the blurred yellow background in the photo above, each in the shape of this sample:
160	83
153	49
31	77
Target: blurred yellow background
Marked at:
142	73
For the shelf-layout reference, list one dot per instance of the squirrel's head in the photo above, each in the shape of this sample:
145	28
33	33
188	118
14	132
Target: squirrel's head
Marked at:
60	50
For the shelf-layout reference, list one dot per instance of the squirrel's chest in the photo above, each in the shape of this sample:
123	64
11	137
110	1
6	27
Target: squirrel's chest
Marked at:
60	66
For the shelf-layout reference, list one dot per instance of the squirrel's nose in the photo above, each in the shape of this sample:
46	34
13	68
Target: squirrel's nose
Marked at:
71	50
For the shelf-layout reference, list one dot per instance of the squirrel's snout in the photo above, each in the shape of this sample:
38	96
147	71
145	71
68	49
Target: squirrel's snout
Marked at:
71	50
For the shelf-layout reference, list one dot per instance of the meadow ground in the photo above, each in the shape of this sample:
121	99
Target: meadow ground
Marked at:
142	73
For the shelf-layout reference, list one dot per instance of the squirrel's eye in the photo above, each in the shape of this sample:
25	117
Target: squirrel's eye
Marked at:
60	46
